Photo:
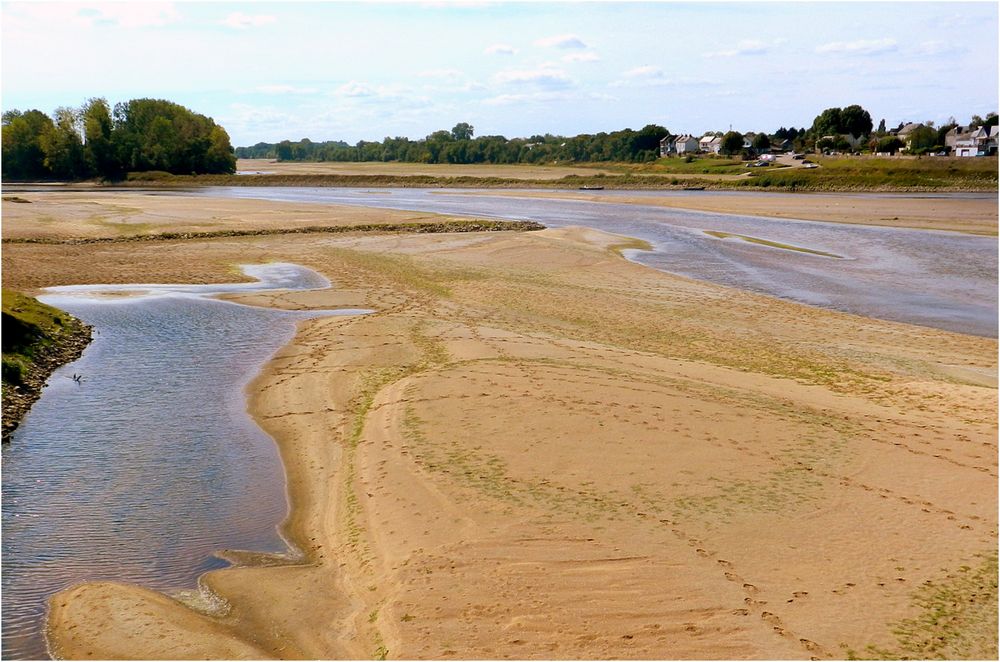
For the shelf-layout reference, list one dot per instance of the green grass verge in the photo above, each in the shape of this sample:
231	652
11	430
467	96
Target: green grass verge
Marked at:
836	174
852	174
29	326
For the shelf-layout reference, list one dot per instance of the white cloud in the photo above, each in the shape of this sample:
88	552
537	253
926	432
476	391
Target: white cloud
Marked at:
544	97
398	94
90	14
546	77
648	76
937	47
561	41
240	21
354	89
139	14
441	73
746	47
586	56
645	71
500	49
285	89
859	47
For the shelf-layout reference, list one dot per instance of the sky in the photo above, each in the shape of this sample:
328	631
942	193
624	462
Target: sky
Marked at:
363	71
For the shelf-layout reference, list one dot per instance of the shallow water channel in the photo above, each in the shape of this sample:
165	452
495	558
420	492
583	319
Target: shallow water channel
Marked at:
149	464
945	280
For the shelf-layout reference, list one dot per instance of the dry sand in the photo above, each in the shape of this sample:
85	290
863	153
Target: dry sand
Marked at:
974	216
536	449
96	213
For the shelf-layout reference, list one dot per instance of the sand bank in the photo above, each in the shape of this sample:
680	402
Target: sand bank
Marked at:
513	171
536	449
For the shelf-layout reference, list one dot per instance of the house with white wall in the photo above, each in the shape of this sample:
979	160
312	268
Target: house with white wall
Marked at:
710	143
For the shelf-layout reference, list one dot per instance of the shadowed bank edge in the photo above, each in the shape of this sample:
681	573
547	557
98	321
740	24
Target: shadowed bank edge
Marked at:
37	339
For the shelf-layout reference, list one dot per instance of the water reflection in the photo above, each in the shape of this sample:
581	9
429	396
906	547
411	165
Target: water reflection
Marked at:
150	464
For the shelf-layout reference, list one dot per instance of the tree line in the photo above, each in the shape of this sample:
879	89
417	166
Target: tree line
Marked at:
95	140
459	146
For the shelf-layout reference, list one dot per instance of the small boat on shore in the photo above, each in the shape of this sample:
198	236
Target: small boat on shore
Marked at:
694	188
591	188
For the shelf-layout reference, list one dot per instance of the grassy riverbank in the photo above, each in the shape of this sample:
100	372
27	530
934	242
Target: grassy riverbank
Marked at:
834	174
37	339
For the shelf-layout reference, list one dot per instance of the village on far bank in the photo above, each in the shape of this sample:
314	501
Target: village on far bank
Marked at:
909	138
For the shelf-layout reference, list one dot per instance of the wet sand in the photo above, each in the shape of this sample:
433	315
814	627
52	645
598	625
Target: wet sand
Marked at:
537	449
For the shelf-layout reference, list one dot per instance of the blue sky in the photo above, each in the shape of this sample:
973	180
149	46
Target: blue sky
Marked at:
363	71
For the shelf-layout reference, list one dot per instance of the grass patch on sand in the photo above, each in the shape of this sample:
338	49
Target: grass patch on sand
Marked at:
432	353
631	244
958	619
427	227
773	244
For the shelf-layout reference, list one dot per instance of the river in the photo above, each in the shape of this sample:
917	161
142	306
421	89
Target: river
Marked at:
149	465
945	280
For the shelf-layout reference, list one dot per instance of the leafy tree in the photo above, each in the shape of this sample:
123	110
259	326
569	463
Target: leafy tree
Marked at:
284	151
62	146
462	131
881	127
647	140
825	143
99	151
890	144
761	142
991	119
827	123
23	156
855	120
732	142
159	134
922	139
219	155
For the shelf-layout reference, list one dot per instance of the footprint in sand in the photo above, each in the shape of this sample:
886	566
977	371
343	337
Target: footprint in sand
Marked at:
770	618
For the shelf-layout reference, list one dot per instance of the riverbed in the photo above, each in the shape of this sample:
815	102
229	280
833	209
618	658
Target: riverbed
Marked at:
945	280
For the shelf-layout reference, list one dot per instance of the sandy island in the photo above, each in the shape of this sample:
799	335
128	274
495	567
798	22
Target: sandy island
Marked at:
536	449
